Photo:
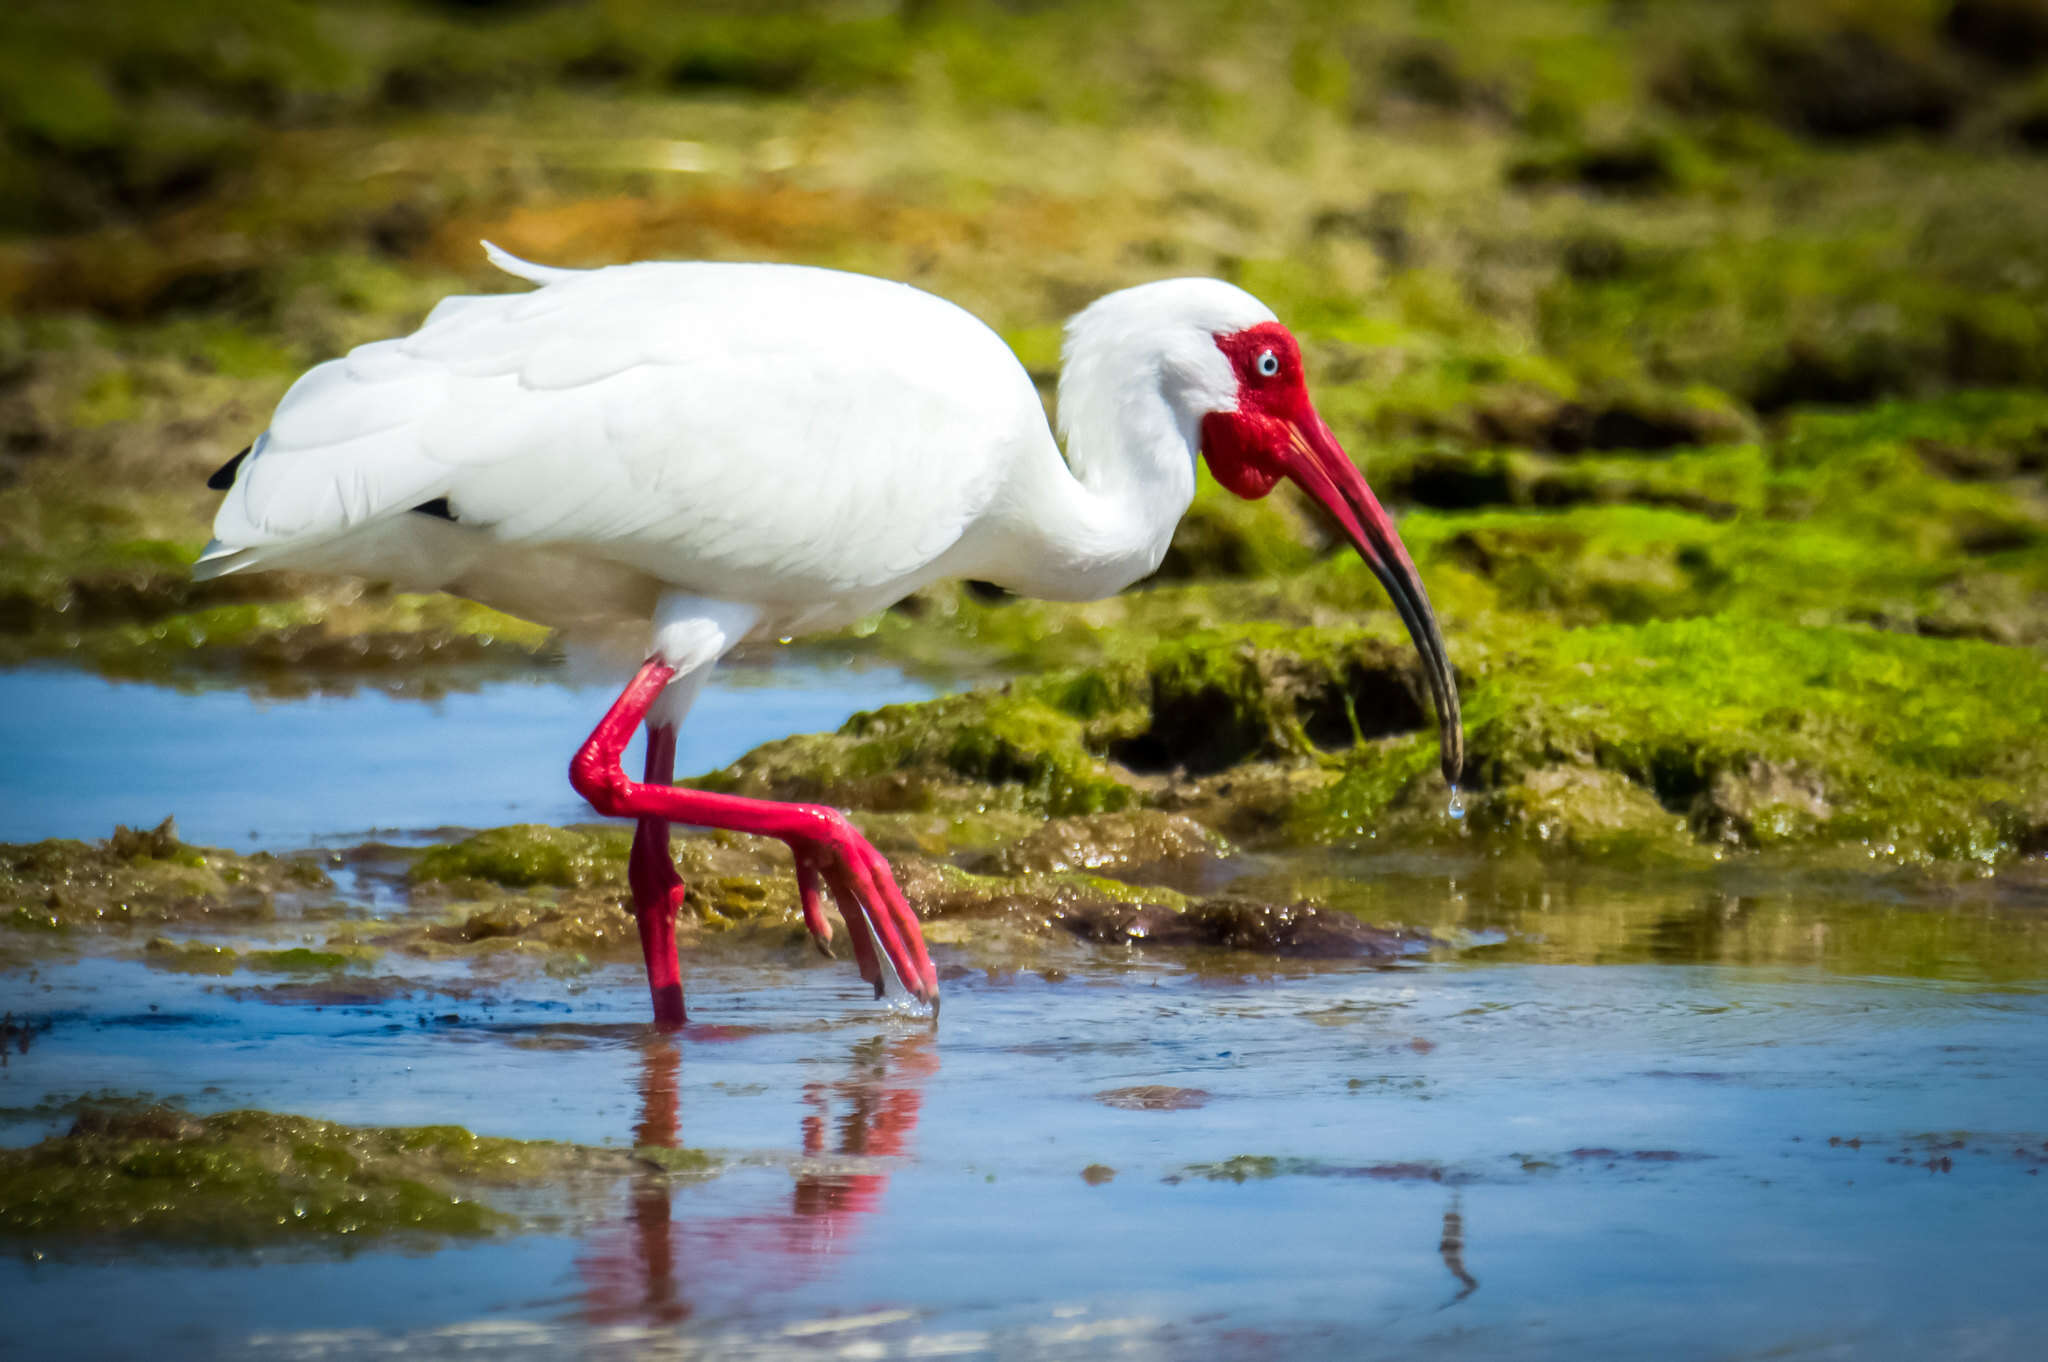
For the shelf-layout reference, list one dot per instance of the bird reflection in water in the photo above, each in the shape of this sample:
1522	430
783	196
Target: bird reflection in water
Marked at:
642	1268
1451	1247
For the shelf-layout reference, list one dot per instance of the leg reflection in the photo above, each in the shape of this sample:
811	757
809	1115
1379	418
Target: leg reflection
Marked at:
881	1098
1452	1247
629	1270
653	1266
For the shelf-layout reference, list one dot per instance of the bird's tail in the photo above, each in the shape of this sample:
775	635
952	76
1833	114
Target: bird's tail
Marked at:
218	560
526	269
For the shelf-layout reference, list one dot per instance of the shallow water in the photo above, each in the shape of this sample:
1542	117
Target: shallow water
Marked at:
245	772
1692	1117
1445	1160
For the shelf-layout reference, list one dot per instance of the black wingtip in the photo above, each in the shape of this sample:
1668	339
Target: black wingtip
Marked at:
438	508
224	476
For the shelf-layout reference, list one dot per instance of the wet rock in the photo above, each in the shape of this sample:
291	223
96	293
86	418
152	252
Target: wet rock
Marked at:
1293	931
1642	163
1110	842
1217	702
527	855
1432	75
2030	128
1846	83
1985	462
1153	1097
1445	480
348	990
1382	224
2008	33
1262	1167
143	878
1582	808
1030	902
1596	1154
1021	745
157	843
593	924
1763	804
128	1123
193	957
1530	418
1098	1174
247	1178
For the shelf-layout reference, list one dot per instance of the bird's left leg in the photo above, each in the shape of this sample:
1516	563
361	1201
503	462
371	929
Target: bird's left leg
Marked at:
826	844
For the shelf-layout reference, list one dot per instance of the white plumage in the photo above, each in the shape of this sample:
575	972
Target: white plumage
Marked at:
811	443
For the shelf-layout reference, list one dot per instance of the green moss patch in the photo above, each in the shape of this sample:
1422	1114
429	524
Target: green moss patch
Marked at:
247	1178
528	854
1736	733
144	878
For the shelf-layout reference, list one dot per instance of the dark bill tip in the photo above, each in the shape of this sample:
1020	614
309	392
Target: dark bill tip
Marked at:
1328	475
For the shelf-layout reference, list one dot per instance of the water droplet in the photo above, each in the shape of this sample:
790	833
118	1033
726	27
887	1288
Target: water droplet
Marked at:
1456	807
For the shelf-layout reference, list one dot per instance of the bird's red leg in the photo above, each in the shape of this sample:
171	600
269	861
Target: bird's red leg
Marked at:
658	889
825	843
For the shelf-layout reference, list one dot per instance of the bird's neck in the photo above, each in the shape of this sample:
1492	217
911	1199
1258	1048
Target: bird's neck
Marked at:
1088	525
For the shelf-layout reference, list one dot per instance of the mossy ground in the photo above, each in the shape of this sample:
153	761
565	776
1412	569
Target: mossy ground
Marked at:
1701	357
243	1179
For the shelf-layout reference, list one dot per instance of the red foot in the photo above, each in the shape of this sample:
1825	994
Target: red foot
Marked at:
826	845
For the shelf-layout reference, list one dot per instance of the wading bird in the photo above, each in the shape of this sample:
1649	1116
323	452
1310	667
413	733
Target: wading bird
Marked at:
759	451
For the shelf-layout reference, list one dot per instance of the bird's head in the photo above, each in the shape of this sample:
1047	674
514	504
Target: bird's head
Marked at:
1267	430
1270	430
1232	377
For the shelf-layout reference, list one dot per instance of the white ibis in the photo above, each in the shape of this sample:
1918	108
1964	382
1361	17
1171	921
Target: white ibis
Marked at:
742	451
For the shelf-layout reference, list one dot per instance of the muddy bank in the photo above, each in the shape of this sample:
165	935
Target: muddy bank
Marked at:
467	921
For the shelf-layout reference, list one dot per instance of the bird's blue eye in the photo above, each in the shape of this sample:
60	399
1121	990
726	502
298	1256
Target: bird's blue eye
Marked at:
1269	363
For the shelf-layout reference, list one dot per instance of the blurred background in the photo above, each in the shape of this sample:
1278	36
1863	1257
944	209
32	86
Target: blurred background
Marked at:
1592	259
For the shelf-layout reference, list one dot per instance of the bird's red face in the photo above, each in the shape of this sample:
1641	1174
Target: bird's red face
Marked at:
1275	433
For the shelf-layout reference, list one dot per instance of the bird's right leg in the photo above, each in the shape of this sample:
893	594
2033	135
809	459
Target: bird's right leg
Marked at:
658	889
826	845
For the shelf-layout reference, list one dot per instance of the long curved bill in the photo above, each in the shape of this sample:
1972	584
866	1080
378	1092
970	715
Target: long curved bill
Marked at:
1321	468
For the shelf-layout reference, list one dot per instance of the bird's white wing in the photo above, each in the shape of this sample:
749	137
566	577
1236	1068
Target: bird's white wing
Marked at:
760	433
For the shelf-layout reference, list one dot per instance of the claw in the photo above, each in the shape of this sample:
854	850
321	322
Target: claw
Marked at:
814	912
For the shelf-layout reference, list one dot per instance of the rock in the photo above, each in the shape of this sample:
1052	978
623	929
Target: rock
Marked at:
1296	931
1110	842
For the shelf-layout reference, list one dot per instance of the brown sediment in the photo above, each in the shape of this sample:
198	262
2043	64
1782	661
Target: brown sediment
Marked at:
1295	931
1153	1097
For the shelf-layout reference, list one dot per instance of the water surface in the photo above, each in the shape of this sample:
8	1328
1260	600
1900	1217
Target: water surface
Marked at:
1700	1116
242	771
1436	1160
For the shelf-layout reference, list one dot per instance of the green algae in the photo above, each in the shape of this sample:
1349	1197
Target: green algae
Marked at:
190	957
1116	841
1669	736
1241	1168
1740	733
144	879
526	855
688	1162
1011	740
246	1178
